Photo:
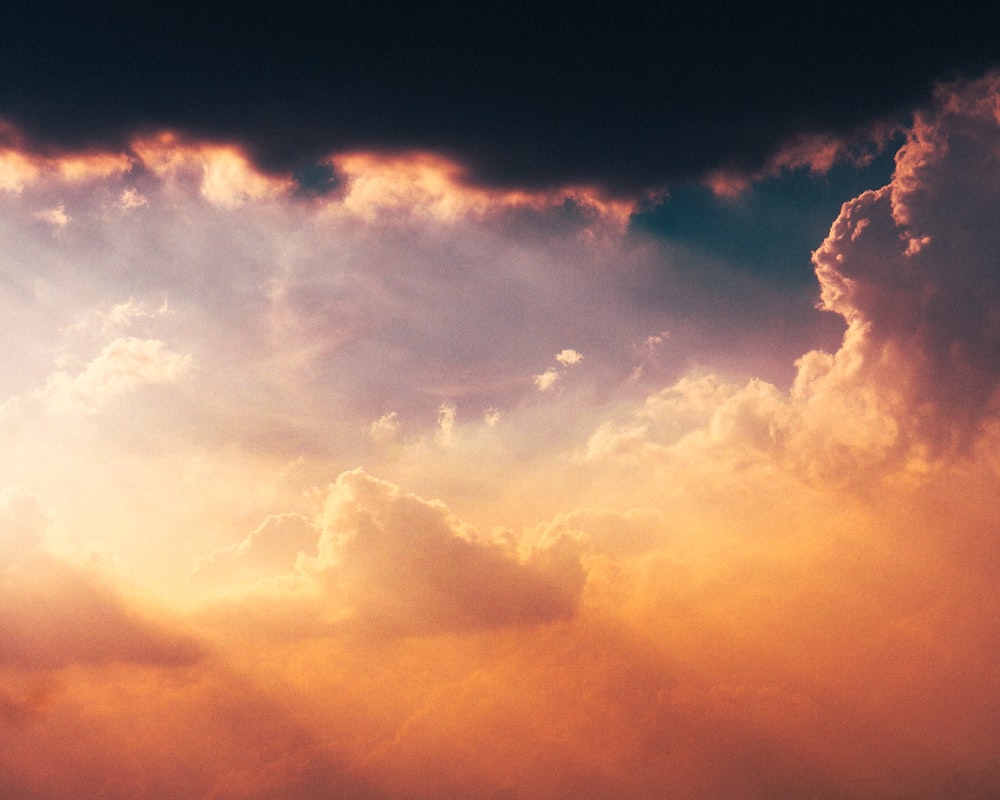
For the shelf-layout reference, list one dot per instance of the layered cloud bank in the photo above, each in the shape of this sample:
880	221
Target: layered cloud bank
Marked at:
410	490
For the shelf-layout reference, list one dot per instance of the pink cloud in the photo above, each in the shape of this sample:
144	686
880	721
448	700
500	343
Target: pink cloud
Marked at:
913	269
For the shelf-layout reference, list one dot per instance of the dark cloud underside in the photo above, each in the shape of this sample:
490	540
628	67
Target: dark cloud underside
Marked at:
629	97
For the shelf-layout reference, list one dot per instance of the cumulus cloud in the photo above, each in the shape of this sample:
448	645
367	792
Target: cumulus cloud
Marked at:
54	615
380	561
407	565
913	269
120	316
385	429
121	367
568	357
693	584
23	521
271	547
547	379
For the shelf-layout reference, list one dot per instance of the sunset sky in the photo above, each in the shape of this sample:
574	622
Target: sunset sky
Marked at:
513	402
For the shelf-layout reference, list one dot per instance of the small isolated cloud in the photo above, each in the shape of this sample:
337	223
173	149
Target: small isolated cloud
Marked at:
122	315
445	423
569	358
566	358
54	216
54	614
385	429
132	199
121	367
651	346
119	316
491	417
547	379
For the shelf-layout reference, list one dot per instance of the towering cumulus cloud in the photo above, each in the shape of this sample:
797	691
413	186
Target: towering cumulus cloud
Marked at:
913	268
417	488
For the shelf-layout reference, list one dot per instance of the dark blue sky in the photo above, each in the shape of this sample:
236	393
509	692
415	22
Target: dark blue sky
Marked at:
771	228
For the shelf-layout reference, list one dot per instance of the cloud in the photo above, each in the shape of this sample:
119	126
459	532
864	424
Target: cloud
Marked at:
54	614
121	367
269	548
385	429
695	583
446	423
617	108
56	217
16	170
132	199
568	358
917	375
223	174
913	271
547	379
404	564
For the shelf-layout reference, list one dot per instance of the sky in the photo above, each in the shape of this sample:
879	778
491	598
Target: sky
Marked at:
515	402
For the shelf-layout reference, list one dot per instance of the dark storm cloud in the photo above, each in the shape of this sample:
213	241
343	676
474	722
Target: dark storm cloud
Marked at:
629	97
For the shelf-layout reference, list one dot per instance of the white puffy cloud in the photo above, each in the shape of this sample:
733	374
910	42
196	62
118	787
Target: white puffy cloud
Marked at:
121	367
546	380
569	357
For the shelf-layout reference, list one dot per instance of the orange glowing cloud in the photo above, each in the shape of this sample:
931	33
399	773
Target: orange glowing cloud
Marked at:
428	185
224	174
388	562
686	583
